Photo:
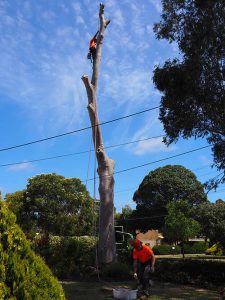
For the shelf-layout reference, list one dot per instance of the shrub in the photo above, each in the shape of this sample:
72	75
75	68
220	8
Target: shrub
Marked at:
166	249
23	275
199	247
117	271
125	253
67	256
196	247
201	272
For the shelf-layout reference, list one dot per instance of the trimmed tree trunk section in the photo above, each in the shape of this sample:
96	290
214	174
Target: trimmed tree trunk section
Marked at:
106	247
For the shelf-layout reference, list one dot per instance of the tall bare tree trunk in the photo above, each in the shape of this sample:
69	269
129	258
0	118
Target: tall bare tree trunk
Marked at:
106	247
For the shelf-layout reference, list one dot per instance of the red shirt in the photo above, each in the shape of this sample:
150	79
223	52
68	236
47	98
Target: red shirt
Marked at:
144	254
93	43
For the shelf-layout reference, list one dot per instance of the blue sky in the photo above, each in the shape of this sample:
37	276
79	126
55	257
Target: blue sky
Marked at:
43	48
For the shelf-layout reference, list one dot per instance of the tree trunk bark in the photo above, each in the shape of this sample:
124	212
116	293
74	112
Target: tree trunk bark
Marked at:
106	246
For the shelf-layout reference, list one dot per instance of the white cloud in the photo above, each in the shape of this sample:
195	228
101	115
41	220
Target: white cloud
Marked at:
47	78
80	20
47	81
128	86
111	3
150	146
20	167
49	16
118	18
65	31
76	8
157	5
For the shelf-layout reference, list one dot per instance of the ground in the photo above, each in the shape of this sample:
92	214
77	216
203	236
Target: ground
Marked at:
160	291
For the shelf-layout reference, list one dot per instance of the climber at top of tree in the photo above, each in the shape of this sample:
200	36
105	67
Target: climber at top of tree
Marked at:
92	47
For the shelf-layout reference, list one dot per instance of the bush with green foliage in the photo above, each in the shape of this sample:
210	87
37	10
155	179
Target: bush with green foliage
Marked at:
23	275
166	249
195	248
66	256
191	271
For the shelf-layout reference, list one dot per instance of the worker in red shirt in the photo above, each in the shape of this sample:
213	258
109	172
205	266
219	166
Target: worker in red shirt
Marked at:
144	263
92	47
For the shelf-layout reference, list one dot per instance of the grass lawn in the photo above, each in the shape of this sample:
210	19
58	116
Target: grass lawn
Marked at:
103	290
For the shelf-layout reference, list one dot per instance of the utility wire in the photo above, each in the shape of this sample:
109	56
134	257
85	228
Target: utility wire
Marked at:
153	162
142	218
135	188
77	153
217	191
78	130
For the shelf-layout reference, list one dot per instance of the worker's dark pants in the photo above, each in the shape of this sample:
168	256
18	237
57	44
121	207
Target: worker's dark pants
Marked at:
144	273
93	53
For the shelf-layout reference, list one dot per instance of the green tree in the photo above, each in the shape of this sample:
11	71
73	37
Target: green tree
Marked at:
125	219
193	102
179	224
161	186
16	202
211	216
53	204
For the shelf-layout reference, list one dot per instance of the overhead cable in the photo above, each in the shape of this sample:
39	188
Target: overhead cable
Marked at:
155	161
78	130
77	153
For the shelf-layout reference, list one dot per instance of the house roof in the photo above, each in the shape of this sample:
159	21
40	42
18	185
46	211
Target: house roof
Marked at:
149	235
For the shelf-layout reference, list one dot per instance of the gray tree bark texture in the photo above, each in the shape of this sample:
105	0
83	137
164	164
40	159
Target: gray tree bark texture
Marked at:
106	246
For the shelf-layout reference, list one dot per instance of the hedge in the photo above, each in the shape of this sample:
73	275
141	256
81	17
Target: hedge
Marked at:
23	275
194	248
67	257
191	271
166	249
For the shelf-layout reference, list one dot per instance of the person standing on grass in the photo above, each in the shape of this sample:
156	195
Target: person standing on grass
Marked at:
143	262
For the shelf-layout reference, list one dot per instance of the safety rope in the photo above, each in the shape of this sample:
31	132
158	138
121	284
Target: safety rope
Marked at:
94	193
95	171
88	166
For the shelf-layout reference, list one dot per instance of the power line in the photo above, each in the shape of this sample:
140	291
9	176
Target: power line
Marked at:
77	153
142	218
117	145
126	190
134	188
217	191
156	161
78	130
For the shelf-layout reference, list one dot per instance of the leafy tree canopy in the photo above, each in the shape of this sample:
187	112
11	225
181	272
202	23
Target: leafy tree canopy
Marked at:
211	216
164	185
179	224
53	204
193	102
125	219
